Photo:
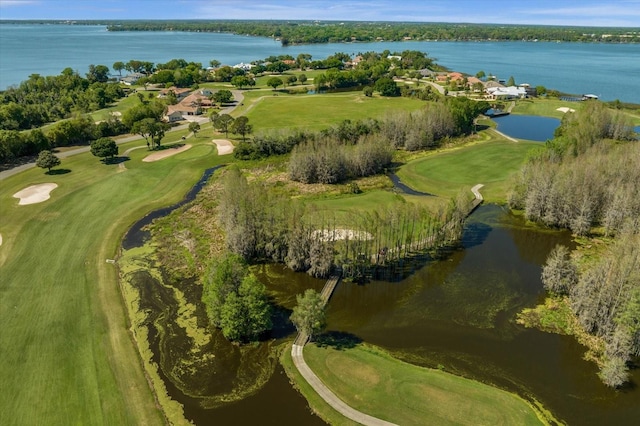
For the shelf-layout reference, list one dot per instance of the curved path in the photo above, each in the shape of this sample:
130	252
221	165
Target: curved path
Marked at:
330	397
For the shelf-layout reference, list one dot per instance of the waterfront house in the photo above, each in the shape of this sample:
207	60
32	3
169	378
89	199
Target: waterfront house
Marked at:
506	93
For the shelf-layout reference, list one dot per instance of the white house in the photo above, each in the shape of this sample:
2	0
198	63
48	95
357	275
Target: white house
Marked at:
511	92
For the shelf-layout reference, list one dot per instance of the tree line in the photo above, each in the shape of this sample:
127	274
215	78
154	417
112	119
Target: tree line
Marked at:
262	225
40	100
423	129
312	32
587	179
582	179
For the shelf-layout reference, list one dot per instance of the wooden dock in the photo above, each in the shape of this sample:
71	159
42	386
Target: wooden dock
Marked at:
325	295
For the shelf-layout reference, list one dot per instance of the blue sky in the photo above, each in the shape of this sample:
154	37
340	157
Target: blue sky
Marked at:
549	12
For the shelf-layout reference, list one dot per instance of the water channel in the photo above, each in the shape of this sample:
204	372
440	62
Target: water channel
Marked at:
457	312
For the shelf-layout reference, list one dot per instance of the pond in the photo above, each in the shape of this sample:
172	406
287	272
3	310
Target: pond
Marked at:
529	127
457	312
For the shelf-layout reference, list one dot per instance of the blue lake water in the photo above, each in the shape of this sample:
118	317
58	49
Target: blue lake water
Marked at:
608	70
528	127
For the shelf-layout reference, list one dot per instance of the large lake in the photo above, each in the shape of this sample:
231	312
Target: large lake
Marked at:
608	70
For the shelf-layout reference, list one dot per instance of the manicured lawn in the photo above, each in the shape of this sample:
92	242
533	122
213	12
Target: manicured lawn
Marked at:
445	173
544	107
67	357
316	112
373	382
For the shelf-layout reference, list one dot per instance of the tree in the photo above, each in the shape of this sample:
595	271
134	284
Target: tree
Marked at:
104	148
222	96
118	66
367	91
214	63
194	127
241	81
274	82
223	277
246	314
387	87
98	73
559	274
235	300
222	123
151	130
302	78
46	160
309	314
292	79
241	126
511	82
481	75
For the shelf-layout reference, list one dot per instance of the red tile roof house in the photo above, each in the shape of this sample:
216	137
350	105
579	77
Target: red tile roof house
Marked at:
194	104
180	93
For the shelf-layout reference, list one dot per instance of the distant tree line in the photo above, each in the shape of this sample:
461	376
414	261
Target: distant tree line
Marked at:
40	100
586	179
311	32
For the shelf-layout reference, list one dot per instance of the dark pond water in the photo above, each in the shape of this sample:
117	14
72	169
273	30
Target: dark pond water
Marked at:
397	183
530	127
136	236
458	312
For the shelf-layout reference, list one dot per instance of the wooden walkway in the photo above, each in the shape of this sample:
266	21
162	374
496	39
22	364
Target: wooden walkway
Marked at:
314	381
325	295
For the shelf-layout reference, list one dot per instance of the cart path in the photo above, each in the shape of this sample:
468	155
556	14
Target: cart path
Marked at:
330	397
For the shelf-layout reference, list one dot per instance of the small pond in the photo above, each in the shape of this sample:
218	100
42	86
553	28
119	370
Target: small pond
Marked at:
529	127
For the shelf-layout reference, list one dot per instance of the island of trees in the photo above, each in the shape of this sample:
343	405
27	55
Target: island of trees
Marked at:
308	32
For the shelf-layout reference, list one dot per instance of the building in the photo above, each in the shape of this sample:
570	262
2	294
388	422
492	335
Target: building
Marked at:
506	93
131	79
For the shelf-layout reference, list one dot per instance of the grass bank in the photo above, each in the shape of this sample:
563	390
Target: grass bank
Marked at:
370	380
445	172
316	112
67	353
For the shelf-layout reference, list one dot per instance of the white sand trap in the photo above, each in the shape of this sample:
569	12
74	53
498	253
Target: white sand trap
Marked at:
35	193
224	146
341	234
565	109
168	152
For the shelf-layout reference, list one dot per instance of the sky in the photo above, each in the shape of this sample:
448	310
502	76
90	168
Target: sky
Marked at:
617	13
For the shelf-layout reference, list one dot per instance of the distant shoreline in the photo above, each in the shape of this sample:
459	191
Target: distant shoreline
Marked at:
302	32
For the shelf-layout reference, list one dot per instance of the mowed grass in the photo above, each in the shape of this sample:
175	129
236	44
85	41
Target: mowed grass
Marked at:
446	173
316	112
370	380
67	357
544	107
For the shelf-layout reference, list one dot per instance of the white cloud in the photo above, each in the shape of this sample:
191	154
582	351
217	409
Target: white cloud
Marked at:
9	3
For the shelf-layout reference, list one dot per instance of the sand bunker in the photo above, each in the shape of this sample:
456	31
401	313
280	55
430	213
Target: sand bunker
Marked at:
35	193
167	152
224	146
565	109
341	234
